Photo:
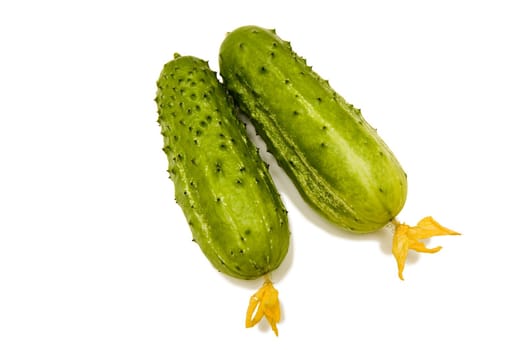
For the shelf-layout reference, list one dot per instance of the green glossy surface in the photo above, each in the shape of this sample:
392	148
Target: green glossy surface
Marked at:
337	161
221	183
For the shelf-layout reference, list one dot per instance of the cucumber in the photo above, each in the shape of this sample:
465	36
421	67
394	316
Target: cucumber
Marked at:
337	161
224	188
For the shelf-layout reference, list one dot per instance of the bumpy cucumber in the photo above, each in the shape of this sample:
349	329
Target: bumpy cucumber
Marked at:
336	159
222	185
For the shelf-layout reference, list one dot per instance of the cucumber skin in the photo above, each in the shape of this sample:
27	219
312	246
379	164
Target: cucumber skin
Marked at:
337	161
222	185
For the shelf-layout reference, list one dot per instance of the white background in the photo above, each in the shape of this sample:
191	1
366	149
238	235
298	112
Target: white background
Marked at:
95	254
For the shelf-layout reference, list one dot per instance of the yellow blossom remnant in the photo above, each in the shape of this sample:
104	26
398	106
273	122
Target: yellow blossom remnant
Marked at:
408	237
264	303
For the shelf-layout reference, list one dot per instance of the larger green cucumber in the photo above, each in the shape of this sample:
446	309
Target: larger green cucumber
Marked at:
336	159
222	185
